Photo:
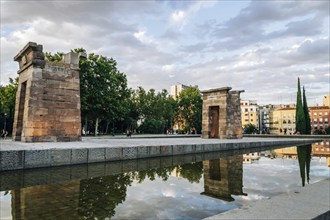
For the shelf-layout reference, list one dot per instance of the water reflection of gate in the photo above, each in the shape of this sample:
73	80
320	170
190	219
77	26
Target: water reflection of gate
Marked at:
59	201
223	177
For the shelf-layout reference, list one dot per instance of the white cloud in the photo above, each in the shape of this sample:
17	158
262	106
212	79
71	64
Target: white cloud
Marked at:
178	16
168	68
255	46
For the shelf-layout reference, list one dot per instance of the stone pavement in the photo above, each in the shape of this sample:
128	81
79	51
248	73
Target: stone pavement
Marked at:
20	155
308	203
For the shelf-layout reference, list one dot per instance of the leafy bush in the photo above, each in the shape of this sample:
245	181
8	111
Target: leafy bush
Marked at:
152	126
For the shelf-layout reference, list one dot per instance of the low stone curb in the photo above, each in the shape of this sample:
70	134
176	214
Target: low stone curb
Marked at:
35	158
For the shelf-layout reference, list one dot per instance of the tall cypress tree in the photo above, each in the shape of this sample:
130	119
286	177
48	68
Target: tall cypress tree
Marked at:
300	116
306	112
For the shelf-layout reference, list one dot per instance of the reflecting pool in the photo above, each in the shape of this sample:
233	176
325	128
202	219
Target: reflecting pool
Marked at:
192	190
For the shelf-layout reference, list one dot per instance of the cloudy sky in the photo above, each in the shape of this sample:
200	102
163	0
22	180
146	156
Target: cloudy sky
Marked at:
261	47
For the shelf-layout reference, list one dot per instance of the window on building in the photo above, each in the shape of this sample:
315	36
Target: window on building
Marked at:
315	113
289	121
320	113
246	110
321	120
251	114
284	121
326	113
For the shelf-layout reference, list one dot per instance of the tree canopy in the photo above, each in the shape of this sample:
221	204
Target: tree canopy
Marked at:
7	103
190	109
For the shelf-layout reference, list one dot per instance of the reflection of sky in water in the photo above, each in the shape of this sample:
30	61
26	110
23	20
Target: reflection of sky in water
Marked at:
268	177
174	199
5	206
177	198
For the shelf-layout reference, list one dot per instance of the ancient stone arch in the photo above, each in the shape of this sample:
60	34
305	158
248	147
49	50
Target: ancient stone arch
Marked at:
48	97
221	114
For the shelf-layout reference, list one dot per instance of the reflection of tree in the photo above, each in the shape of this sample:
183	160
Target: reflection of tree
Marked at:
151	174
99	196
192	172
304	158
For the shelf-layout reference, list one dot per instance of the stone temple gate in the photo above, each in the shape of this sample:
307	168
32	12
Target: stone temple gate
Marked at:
221	114
48	97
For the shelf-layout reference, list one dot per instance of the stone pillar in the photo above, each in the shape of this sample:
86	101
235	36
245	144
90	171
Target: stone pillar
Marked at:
221	114
48	97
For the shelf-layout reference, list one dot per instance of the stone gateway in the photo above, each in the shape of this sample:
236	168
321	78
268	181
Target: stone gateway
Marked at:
48	97
221	114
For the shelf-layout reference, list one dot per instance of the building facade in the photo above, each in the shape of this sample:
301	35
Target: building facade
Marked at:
176	90
283	121
250	113
320	117
264	120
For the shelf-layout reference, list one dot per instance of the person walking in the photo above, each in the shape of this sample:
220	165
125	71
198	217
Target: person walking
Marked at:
4	133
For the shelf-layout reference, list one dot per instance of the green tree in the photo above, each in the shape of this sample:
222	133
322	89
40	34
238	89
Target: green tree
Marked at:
104	92
249	128
156	111
306	113
319	132
54	58
190	109
7	103
300	116
327	130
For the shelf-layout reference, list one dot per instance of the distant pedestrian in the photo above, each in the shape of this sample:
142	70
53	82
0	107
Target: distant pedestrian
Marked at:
4	133
296	133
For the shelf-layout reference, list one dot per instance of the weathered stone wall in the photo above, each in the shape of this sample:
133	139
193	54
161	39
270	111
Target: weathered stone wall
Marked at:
48	97
234	119
228	102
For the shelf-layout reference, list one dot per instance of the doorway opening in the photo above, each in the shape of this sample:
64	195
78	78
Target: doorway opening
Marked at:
214	121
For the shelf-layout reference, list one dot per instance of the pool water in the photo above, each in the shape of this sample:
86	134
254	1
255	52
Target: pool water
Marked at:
189	191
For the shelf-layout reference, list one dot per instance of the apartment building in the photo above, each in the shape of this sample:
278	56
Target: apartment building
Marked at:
177	89
320	117
250	112
264	119
283	121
